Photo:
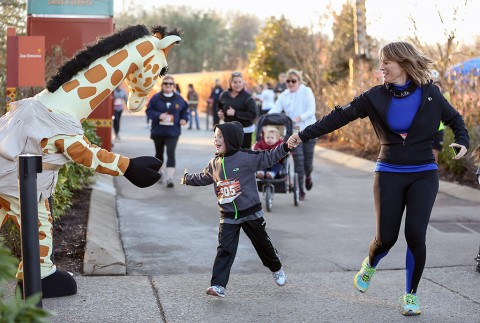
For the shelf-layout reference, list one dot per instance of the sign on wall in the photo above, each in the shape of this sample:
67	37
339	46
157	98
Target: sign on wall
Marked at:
31	61
70	7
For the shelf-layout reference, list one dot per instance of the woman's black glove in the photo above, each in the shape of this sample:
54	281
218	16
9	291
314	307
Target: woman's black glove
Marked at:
143	171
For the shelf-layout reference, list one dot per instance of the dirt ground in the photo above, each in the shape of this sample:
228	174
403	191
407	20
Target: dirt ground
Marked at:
69	234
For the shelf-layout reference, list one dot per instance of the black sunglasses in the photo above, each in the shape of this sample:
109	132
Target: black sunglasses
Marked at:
167	83
291	81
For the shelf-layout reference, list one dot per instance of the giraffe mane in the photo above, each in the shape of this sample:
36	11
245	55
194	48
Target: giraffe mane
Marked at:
102	47
163	31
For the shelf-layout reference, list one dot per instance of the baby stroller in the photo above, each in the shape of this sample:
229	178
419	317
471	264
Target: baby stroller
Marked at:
287	181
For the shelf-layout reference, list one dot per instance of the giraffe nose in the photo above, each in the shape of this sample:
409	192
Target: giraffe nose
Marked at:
164	71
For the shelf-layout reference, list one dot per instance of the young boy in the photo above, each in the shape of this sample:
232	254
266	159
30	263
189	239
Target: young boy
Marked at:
270	139
232	173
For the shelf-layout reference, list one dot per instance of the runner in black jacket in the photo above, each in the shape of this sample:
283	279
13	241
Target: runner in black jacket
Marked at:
232	172
405	113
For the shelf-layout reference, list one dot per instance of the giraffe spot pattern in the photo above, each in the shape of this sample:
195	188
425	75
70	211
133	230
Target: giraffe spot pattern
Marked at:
69	86
116	78
99	98
95	74
41	235
119	57
105	156
60	144
105	170
43	142
155	69
144	48
86	91
148	82
123	163
80	154
147	61
44	251
133	67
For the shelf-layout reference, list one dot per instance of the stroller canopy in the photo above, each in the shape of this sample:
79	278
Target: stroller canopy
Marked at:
274	119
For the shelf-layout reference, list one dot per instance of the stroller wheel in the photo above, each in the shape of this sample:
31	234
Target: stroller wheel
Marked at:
296	190
269	198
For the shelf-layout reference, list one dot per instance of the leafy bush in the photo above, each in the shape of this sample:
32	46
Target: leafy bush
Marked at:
16	310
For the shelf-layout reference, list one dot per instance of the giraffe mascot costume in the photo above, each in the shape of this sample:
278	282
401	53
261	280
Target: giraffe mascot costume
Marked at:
49	124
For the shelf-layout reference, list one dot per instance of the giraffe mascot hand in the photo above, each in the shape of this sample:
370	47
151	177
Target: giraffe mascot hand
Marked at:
49	124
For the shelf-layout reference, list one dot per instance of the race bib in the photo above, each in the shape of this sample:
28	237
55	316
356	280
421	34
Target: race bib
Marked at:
168	121
228	190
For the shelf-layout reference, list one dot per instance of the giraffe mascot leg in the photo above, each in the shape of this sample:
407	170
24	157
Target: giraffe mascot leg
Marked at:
49	124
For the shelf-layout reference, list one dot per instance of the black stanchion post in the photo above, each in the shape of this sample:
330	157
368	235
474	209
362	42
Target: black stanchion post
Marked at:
28	167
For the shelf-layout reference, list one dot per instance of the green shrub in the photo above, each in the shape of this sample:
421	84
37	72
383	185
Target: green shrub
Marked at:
17	310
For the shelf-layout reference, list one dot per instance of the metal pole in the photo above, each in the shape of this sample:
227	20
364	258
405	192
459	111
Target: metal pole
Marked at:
28	167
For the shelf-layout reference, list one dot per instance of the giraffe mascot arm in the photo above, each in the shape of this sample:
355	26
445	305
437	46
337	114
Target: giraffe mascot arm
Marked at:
49	124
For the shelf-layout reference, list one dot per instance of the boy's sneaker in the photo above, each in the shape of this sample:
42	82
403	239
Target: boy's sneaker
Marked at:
260	174
279	277
216	290
411	305
361	281
170	183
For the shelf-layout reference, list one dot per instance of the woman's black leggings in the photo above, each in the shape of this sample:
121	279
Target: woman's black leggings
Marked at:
393	193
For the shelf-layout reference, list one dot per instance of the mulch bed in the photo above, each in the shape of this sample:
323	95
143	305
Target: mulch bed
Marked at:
69	234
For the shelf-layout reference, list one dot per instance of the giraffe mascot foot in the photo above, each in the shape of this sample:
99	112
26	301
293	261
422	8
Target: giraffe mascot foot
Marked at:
49	124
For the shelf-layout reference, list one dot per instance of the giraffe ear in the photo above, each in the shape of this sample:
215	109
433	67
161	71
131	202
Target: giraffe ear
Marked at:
166	43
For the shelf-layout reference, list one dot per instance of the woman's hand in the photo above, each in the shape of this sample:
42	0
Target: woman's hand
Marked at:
293	141
460	150
230	112
183	122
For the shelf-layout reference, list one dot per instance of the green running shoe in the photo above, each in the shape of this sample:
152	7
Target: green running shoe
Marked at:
361	281
411	305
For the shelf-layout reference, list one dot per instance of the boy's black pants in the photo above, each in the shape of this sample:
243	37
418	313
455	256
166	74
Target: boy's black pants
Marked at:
228	236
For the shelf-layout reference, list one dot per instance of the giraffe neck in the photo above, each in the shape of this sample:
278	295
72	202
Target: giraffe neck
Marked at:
89	87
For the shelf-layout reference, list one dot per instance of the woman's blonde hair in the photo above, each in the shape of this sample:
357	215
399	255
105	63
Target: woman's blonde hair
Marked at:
297	73
476	156
417	65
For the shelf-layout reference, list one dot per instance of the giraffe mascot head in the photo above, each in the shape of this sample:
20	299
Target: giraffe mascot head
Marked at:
49	124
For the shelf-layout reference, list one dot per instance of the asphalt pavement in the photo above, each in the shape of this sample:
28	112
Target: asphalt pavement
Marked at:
150	251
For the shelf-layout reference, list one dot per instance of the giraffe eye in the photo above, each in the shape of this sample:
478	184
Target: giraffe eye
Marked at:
164	71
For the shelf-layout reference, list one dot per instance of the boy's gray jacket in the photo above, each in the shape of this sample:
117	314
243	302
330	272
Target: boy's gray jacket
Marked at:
242	165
